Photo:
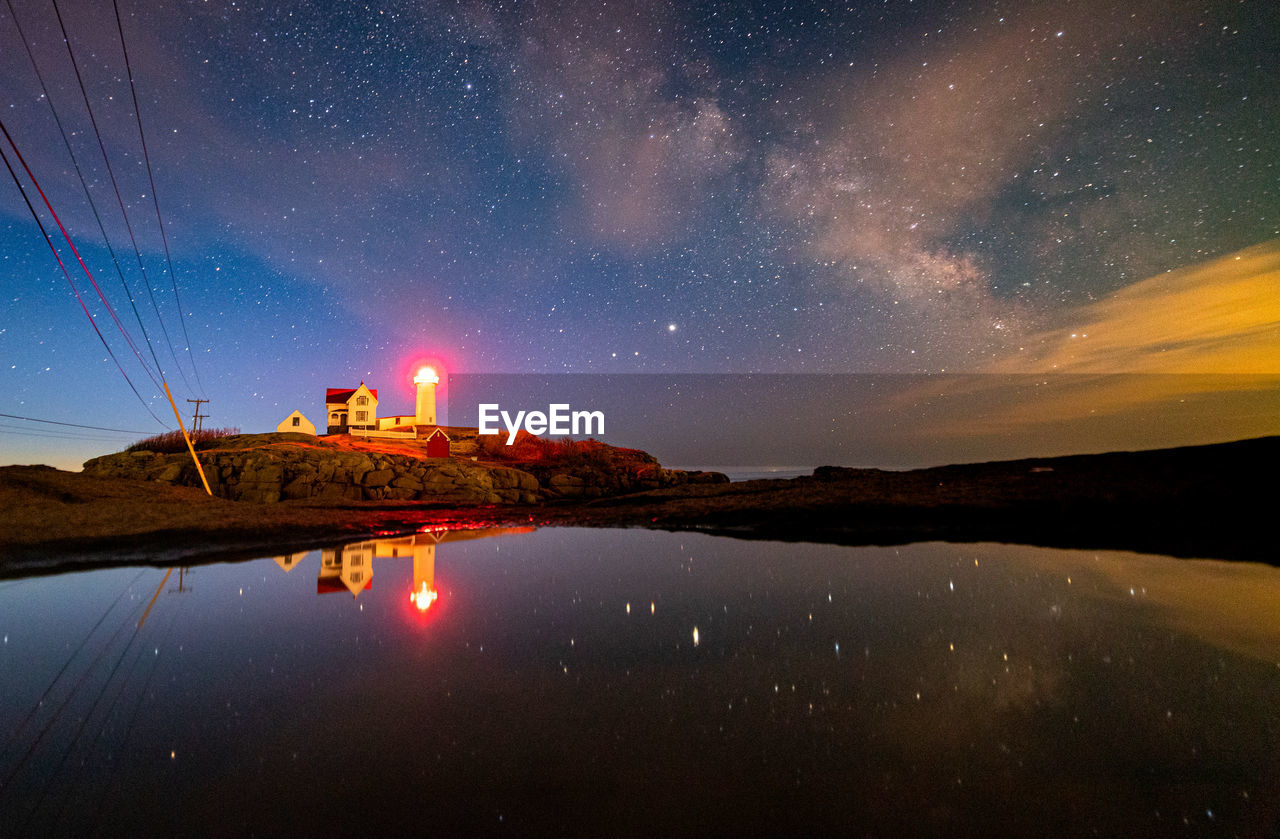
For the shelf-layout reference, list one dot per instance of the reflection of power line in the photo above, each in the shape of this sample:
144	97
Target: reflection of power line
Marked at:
57	712
133	716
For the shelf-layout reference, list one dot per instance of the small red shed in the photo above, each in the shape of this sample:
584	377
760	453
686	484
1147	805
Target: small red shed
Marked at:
437	444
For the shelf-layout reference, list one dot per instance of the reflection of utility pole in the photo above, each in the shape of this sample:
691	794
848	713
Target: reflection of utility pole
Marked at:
154	597
196	425
182	580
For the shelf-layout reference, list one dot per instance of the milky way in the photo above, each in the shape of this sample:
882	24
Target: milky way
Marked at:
649	187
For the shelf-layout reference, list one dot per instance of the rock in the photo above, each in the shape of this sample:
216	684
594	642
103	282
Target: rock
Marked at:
267	468
378	478
300	487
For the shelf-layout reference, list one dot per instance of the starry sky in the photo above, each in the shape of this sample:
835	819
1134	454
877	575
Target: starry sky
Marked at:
901	186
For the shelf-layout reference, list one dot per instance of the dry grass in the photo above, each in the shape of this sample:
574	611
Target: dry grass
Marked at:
171	442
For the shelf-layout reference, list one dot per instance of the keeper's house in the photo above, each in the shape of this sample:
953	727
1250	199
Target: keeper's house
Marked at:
351	409
355	411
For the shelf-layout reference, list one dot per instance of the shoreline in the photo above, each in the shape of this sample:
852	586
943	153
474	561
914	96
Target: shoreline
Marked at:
1187	502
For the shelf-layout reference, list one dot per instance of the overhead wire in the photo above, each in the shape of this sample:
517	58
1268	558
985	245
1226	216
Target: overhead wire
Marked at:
74	424
75	65
56	435
155	198
74	289
35	66
128	339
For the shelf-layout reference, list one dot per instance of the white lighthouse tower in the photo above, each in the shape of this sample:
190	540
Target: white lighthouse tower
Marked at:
426	382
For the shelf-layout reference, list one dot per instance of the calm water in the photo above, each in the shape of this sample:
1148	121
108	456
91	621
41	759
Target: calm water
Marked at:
596	682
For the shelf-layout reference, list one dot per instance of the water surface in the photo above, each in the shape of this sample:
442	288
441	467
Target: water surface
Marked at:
605	682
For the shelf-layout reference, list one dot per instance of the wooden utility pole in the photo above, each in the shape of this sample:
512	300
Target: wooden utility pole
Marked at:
196	424
190	448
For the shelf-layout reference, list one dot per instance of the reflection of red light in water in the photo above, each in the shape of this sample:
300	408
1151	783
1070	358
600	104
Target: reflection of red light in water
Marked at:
424	597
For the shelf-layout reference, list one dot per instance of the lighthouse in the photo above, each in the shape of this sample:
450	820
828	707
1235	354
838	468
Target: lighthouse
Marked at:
426	382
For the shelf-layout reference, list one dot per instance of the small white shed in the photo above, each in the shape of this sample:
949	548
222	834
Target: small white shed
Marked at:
297	422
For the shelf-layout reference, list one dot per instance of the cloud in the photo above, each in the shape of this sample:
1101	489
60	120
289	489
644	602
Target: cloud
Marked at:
643	143
1219	318
1189	356
899	187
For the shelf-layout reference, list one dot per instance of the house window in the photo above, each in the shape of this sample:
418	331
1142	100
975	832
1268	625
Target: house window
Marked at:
334	416
297	421
360	415
362	400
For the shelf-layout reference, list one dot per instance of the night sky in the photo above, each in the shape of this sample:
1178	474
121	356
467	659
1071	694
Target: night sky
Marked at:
783	187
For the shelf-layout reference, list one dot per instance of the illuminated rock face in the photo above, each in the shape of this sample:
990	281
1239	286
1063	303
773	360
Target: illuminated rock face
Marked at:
285	470
279	467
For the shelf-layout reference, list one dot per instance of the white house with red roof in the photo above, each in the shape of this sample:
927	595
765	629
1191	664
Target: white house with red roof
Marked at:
355	411
351	409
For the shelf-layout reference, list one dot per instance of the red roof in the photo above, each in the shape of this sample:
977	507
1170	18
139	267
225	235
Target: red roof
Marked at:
333	395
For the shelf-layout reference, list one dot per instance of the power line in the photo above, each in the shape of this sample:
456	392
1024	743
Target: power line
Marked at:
128	339
88	196
56	435
155	198
56	256
66	38
75	424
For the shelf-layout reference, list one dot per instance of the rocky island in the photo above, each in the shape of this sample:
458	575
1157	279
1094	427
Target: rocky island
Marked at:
268	468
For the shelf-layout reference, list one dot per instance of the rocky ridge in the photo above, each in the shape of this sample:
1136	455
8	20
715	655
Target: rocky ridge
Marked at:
267	468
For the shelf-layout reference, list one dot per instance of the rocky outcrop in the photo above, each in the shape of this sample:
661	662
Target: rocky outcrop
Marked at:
596	481
267	468
282	471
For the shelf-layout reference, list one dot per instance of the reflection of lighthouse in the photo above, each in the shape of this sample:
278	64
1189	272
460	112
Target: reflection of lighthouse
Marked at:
422	548
350	567
424	573
426	382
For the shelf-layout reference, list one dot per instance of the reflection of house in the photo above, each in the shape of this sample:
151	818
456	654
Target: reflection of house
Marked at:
349	568
297	422
288	561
